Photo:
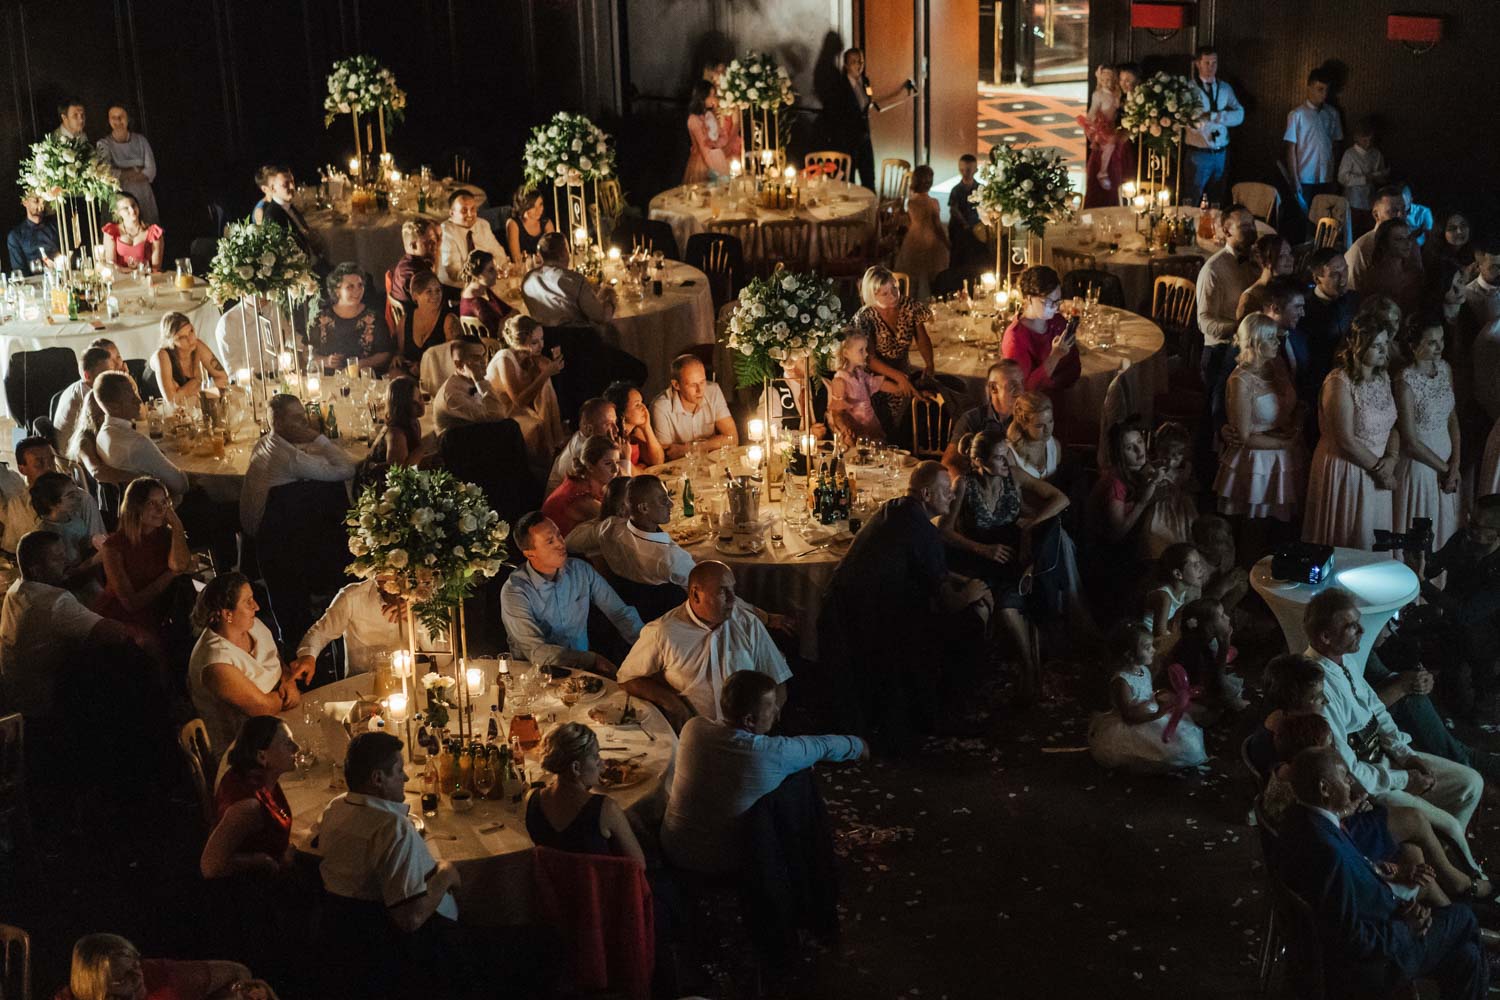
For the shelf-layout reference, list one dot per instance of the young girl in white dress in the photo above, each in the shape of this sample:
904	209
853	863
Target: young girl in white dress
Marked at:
1263	475
1427	476
1183	572
1131	734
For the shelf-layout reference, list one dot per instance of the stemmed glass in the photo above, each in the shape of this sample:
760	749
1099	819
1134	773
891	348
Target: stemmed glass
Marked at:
484	775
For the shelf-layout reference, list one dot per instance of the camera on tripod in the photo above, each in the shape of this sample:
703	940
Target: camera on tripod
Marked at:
1417	539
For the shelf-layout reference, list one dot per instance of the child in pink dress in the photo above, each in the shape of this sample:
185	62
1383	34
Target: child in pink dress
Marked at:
851	413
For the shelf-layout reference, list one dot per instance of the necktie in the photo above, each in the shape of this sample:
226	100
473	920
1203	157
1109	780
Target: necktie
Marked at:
469	241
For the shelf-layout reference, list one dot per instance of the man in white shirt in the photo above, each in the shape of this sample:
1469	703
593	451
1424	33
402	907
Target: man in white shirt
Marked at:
71	119
292	452
1207	145
1418	217
467	396
241	346
691	410
463	232
124	449
1221	281
1312	129
95	361
596	416
368	619
1386	765
16	514
556	295
1387	204
1482	295
635	547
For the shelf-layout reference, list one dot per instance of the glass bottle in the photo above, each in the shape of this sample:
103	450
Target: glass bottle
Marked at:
688	511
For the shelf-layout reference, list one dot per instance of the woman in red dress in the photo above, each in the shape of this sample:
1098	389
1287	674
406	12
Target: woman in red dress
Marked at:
129	242
143	557
580	496
253	833
108	967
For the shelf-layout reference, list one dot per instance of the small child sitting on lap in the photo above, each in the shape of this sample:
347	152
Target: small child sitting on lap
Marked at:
1133	733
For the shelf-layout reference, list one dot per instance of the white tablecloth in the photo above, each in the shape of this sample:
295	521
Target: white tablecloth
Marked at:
1381	586
1131	263
136	334
688	215
373	240
493	863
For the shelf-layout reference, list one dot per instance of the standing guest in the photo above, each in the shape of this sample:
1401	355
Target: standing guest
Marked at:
692	410
1284	303
70	406
419	240
1483	293
110	447
634	545
924	249
71	119
478	298
463	233
682	659
545	603
1127	486
108	967
1327	312
1395	269
723	768
521	375
595	417
430	321
402	442
1354	467
1362	170
643	448
245	337
1263	474
143	558
235	671
347	329
893	324
527	224
130	240
1312	132
581	493
846	115
851	407
1102	175
1387	204
183	363
35	239
1221	281
1038	338
368	619
556	295
283	211
969	249
293	452
467	396
252	831
1132	735
1003	385
1273	254
1455	242
1208	144
707	139
1419	217
567	814
1427	475
132	161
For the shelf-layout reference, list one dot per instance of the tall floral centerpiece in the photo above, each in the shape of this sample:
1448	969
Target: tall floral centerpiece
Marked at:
1020	190
70	175
573	155
1157	113
360	86
758	87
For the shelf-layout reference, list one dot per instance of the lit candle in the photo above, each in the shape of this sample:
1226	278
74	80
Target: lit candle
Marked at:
314	383
736	168
580	236
242	376
401	663
767	157
475	677
790	173
988	280
1002	298
285	359
757	429
754	454
1164	196
1128	190
809	444
397	703
354	166
1140	203
614	255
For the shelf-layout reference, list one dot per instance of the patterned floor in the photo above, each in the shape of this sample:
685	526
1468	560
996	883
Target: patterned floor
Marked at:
1031	117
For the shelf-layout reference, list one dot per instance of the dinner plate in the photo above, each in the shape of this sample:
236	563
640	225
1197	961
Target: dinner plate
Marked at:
637	776
731	548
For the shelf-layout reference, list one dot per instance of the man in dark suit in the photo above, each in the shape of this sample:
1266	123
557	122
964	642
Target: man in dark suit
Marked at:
282	210
846	115
1371	941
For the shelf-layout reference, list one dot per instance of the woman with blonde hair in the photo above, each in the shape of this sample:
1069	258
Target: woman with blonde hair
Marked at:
894	323
580	496
1033	446
1354	466
108	967
521	374
566	814
182	361
851	392
1263	474
142	557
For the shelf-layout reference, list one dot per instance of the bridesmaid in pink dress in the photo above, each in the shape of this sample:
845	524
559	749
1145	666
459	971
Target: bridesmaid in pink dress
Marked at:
708	158
851	412
1263	476
129	241
1354	466
1103	173
1427	477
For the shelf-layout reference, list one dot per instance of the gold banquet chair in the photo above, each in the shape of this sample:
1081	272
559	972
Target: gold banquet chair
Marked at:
843	161
930	426
785	243
747	231
473	326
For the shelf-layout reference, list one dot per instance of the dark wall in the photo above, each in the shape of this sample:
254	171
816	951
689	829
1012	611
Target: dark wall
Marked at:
1437	119
221	86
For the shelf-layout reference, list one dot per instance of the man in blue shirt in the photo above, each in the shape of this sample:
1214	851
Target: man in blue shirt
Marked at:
545	604
34	239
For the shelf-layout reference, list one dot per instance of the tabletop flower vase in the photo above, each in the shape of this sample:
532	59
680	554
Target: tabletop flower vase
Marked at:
1020	190
70	175
573	155
757	86
1156	114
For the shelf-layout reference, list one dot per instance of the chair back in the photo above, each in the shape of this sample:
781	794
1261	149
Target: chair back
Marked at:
1327	234
1064	261
398	313
648	234
1330	206
145	378
721	258
891	223
1080	282
1184	265
705	352
15	948
747	231
436	366
607	207
843	247
1173	302
473	326
786	243
895	180
1119	403
931	424
601	906
216	218
34	377
1263	200
492	456
903	283
202	765
842	161
201	252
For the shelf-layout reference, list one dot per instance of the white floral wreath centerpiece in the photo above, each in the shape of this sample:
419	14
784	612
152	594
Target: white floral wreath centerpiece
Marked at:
60	169
359	85
568	153
1157	113
759	87
254	262
1021	189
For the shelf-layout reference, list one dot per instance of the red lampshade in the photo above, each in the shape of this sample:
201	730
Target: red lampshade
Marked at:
1420	29
1159	16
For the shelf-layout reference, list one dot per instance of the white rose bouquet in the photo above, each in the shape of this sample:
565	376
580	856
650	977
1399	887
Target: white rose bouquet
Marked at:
1160	109
779	317
59	167
569	149
424	536
260	260
359	85
1024	187
756	81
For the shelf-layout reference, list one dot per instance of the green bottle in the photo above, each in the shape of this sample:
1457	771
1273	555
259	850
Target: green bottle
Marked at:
72	302
687	498
332	424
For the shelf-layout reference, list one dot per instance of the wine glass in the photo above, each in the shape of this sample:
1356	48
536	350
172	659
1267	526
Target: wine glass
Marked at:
305	760
484	775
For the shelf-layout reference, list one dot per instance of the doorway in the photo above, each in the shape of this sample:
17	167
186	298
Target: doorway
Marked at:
1032	43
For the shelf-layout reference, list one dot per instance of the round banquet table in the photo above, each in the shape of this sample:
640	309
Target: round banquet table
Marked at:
1131	263
963	345
489	844
136	332
689	208
653	328
373	239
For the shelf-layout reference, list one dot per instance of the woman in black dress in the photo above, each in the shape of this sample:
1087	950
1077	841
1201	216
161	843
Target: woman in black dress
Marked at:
565	814
527	224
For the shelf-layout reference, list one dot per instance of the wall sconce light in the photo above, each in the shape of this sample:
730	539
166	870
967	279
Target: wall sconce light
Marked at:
1418	32
1160	20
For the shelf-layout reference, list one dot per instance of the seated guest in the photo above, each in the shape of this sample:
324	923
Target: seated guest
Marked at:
35	239
1136	733
129	241
95	361
293	452
1181	573
586	539
521	375
262	181
1387	204
108	967
1003	384
895	323
578	497
545	603
643	448
235	671
851	394
635	546
527	224
683	658
35	458
1228	583
595	418
1034	447
17	516
67	510
692	411
724	767
252	831
1037	339
183	364
1395	269
1371	942
467	396
1468	566
790	399
430	322
1204	648
478	298
556	295
463	233
282	209
346	329
1274	255
1173	510
566	814
143	557
419	238
402	441
239	343
368	620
